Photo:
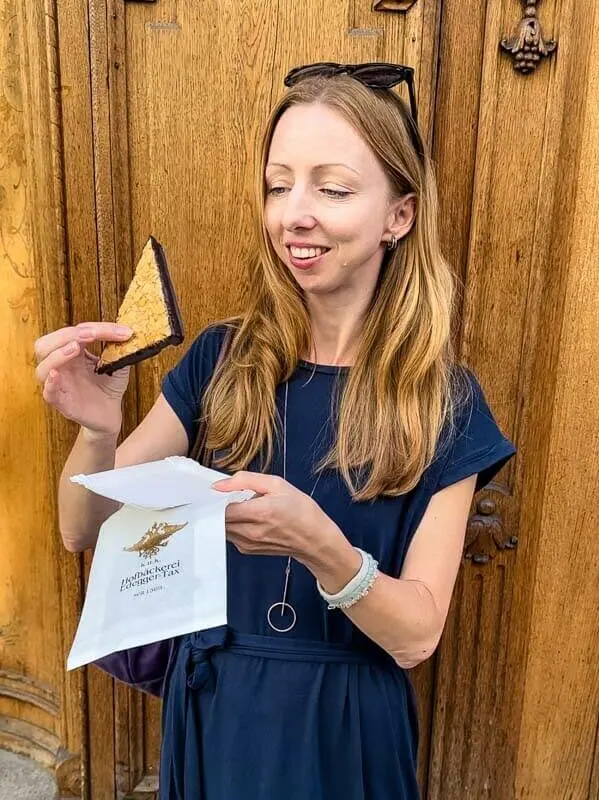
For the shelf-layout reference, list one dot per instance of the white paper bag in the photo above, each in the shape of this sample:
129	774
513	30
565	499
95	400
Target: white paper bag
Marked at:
159	567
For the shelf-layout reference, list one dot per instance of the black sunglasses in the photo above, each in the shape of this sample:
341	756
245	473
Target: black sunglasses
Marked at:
375	75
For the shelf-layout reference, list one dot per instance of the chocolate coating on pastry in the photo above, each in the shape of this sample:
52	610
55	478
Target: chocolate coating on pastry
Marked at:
150	309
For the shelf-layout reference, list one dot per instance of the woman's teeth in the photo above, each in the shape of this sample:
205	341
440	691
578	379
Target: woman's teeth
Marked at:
307	252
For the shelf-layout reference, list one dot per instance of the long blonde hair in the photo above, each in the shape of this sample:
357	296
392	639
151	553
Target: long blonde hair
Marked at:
399	393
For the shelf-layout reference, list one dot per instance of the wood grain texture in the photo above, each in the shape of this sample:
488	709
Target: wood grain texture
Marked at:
561	702
526	141
102	775
87	246
470	752
35	286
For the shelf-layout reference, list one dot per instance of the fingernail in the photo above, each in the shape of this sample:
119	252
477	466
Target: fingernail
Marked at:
123	330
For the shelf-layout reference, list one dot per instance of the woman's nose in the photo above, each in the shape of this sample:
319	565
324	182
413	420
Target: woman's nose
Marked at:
298	211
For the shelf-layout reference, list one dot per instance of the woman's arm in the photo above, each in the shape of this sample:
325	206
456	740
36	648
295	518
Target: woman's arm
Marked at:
81	512
406	615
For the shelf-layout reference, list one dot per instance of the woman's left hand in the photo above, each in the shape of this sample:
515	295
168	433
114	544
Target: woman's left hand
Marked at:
281	520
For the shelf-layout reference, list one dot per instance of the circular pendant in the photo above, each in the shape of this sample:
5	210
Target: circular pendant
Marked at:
287	615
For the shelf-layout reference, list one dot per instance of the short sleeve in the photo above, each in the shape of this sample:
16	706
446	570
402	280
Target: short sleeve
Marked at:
476	443
184	386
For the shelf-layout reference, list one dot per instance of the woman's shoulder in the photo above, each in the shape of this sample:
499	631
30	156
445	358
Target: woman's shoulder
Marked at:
469	400
184	385
466	400
208	343
471	439
466	394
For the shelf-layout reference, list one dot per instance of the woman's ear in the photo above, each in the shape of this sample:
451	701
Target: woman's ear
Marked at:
402	214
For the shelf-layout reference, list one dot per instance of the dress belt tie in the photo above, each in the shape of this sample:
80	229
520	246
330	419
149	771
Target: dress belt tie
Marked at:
202	644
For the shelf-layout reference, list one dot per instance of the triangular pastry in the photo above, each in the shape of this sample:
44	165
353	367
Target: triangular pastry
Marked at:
150	309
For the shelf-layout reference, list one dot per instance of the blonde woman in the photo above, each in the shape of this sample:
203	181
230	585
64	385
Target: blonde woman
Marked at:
336	398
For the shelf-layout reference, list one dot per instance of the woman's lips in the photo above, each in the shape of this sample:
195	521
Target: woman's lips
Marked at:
306	263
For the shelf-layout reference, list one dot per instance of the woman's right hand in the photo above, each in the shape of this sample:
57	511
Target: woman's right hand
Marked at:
66	371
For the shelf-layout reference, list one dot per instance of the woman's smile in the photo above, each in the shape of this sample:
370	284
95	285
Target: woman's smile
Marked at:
305	256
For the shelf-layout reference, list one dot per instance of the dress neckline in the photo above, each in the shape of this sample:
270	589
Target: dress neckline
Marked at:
332	369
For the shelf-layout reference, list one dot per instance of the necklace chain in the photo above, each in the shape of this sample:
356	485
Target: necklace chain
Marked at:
283	605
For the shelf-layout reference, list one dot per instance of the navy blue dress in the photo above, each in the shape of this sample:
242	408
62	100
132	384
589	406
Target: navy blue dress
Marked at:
320	712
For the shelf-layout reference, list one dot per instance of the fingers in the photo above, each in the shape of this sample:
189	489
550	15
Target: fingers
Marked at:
85	332
53	341
107	331
256	481
51	390
57	359
253	510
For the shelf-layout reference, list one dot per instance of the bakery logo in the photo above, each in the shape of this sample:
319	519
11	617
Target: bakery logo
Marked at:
153	539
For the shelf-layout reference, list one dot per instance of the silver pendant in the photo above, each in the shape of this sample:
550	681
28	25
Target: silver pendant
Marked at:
283	605
286	609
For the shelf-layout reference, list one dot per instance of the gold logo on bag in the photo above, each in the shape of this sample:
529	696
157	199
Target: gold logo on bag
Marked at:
154	538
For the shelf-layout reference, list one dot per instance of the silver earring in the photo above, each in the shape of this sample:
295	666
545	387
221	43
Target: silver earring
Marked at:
392	243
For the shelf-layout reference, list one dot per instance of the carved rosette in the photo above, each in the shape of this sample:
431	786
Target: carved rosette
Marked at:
528	46
485	535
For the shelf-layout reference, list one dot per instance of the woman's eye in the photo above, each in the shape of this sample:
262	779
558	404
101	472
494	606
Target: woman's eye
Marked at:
276	190
337	194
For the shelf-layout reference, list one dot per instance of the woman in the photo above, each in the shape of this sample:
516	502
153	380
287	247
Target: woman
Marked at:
336	398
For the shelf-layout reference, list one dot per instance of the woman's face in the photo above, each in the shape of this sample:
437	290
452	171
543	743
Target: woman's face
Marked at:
328	202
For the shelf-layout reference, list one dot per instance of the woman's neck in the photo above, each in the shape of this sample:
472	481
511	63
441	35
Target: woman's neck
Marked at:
336	329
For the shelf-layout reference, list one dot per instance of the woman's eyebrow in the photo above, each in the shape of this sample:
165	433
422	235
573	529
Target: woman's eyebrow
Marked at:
317	168
322	167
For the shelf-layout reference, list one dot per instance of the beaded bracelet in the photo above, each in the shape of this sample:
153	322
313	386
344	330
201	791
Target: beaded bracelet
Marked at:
356	588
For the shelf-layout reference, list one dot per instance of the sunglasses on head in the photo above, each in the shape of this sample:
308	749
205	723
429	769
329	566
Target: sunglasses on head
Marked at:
374	75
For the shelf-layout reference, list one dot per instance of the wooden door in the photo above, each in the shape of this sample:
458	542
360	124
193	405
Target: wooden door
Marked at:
140	119
189	87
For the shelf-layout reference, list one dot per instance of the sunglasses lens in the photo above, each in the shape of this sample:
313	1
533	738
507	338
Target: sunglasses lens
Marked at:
376	79
380	76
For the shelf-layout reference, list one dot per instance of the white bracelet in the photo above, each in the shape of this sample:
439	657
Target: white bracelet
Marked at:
356	588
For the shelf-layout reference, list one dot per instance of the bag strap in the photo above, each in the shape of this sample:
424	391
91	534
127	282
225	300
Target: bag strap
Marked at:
199	452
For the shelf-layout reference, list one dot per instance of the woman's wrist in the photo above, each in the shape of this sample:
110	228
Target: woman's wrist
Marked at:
90	436
334	561
356	588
